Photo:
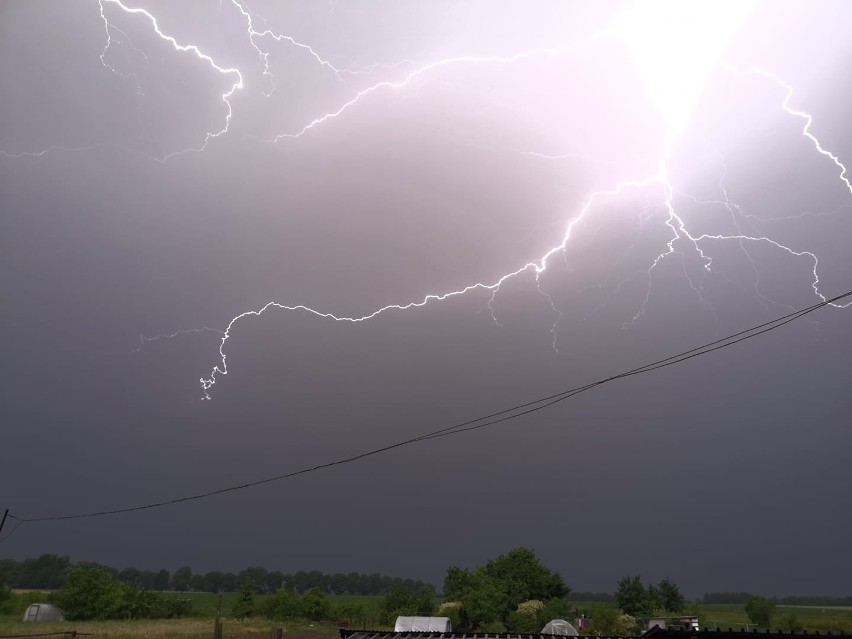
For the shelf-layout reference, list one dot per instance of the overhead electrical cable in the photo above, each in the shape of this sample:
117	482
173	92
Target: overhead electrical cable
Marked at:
481	422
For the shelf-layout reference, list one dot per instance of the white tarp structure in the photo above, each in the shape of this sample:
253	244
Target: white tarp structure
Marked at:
423	624
43	612
559	627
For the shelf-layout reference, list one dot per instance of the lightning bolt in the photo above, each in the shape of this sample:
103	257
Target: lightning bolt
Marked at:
144	339
181	48
807	117
435	66
681	241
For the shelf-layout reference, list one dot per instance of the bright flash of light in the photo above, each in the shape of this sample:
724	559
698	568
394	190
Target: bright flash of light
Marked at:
674	45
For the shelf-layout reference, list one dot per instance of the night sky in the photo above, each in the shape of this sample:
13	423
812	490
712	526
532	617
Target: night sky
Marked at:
584	188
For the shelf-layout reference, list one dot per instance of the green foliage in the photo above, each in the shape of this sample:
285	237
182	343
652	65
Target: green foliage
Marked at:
283	604
315	606
347	614
527	617
452	610
670	597
5	591
790	621
611	622
485	601
181	579
93	592
244	605
493	592
760	611
90	593
631	597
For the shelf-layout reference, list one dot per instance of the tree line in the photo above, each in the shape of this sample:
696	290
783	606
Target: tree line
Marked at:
797	600
49	572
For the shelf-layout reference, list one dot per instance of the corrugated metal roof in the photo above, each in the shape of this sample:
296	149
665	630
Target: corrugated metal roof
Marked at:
655	633
346	633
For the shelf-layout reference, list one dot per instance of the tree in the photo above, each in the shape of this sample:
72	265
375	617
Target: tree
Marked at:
670	596
525	577
48	571
181	579
314	605
610	622
90	593
631	597
283	604
492	592
214	581
130	575
424	601
5	591
760	611
244	605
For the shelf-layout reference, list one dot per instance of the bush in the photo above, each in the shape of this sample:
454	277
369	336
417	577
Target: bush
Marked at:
90	593
452	610
244	605
282	605
347	614
314	605
760	611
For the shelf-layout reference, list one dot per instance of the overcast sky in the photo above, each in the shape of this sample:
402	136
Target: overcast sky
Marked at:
646	174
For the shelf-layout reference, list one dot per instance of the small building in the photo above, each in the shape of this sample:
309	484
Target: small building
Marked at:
560	628
423	624
43	612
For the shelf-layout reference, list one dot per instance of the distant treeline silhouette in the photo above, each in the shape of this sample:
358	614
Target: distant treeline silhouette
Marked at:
801	600
48	572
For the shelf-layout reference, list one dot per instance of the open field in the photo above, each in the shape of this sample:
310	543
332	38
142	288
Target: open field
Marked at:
172	629
200	624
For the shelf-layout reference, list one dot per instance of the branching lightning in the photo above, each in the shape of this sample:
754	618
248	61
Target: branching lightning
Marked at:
637	33
181	48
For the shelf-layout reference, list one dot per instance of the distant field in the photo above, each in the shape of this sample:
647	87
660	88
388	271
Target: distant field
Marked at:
171	629
807	617
204	604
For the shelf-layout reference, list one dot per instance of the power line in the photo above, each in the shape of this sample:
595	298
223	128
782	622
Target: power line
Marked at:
481	422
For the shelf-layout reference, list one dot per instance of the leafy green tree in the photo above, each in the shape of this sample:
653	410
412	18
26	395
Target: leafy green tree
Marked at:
456	582
525	577
181	579
399	601
760	611
631	597
5	591
670	597
283	604
653	599
130	575
244	605
48	571
424	601
485	602
90	593
611	622
314	605
492	592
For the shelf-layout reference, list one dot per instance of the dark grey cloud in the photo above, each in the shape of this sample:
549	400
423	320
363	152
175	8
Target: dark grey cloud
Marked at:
727	472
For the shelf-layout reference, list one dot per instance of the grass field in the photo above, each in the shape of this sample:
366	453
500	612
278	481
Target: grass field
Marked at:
200	625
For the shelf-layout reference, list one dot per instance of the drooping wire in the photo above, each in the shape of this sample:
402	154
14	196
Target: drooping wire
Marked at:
501	416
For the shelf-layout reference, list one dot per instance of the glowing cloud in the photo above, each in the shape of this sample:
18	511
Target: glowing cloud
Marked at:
674	45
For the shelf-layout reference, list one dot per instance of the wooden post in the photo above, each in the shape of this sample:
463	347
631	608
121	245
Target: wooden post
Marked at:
217	626
276	633
3	521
